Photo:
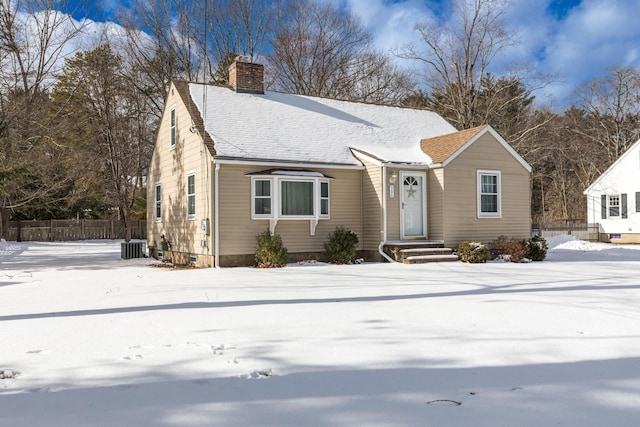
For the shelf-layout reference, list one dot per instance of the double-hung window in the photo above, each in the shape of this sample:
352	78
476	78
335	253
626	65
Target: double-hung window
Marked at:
489	194
262	197
614	206
191	196
172	127
302	196
158	202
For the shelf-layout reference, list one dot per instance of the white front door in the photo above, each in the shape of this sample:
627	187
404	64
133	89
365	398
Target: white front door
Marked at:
413	204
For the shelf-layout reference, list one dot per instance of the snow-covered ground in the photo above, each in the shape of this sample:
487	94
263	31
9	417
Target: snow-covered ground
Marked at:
88	339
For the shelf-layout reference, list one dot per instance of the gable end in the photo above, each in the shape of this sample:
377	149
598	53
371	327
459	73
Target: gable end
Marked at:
198	123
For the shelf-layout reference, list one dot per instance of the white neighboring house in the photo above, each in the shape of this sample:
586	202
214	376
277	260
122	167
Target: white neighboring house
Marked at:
613	199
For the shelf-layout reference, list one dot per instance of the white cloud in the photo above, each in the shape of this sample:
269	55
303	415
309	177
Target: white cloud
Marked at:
592	36
392	24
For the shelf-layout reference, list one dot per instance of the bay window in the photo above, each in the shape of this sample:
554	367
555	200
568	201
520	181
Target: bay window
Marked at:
290	195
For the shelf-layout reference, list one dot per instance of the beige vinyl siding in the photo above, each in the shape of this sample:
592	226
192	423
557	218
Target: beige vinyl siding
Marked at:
461	221
435	204
372	206
170	167
238	231
393	206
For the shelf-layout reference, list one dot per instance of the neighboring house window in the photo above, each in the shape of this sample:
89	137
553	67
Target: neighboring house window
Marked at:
614	206
158	202
191	196
489	197
173	127
295	198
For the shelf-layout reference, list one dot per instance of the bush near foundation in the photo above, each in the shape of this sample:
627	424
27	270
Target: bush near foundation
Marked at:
472	252
341	246
269	251
538	247
509	249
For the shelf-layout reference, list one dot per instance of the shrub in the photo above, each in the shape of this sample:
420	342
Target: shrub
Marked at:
341	247
537	246
269	251
509	248
473	252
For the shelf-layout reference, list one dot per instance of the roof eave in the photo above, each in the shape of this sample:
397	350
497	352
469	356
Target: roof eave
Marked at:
281	162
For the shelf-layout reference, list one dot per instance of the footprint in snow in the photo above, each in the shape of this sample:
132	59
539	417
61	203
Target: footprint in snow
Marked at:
134	357
219	350
262	373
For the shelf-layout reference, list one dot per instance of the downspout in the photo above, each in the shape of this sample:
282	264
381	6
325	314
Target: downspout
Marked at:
216	217
384	216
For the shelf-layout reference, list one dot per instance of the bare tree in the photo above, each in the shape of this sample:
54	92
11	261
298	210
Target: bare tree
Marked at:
191	40
163	41
237	27
457	55
34	38
320	50
612	106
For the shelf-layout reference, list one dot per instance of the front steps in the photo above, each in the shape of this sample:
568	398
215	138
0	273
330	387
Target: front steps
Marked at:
419	251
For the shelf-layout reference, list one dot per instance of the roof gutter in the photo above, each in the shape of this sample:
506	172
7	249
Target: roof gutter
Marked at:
281	163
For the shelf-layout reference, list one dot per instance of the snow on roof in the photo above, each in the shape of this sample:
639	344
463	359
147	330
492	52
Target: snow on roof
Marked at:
295	128
613	166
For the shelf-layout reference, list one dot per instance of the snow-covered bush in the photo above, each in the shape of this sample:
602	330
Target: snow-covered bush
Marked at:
473	252
509	248
341	246
269	251
538	247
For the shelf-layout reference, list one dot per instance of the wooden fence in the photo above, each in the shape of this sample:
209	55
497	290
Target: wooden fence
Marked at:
582	231
72	229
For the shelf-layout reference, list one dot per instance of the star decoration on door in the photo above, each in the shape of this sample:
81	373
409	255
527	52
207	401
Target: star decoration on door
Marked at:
410	182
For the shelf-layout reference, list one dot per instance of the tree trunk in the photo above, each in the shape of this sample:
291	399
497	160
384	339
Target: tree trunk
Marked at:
5	215
125	215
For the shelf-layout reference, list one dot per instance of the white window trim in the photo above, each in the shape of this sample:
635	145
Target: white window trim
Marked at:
276	196
320	198
193	215
619	206
157	203
173	135
479	175
254	215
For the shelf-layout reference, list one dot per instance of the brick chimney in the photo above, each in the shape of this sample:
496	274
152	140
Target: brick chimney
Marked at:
245	76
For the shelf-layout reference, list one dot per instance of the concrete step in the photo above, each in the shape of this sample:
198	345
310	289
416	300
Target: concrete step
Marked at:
424	251
419	251
421	259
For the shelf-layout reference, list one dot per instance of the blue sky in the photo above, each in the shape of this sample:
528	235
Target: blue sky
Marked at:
573	40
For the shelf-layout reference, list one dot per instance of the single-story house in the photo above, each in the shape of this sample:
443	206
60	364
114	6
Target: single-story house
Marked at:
232	161
613	199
